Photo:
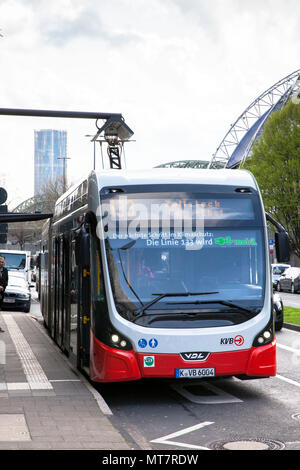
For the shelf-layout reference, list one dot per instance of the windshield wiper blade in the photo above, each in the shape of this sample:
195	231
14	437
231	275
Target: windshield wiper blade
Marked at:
140	311
222	302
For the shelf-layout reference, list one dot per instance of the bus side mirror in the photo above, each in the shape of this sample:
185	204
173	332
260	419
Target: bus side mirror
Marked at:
282	245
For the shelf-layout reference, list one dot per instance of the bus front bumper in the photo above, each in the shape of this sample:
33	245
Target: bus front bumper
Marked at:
114	365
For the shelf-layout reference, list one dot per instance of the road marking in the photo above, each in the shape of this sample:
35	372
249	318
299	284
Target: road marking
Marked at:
166	439
288	348
35	375
65	380
217	396
11	386
290	381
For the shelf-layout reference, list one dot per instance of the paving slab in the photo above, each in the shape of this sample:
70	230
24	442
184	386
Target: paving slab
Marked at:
44	403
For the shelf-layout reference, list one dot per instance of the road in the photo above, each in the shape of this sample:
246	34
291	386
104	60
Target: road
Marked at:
214	414
290	300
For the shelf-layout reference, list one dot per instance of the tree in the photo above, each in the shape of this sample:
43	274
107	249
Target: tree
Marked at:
275	162
46	199
30	232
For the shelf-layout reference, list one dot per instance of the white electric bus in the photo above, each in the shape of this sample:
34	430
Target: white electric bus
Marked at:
161	273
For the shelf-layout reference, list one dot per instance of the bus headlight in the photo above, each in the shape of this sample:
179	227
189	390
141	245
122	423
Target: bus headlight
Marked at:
266	336
117	341
106	332
114	339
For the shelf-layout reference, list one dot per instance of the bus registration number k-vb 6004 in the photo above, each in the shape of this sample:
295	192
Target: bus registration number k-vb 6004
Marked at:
195	373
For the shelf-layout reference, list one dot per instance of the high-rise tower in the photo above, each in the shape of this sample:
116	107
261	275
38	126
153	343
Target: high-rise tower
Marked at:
50	156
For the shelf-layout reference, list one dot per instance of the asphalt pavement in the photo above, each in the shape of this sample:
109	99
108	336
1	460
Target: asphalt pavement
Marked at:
290	300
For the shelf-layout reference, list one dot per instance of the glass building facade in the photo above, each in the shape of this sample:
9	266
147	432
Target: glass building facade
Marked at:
50	153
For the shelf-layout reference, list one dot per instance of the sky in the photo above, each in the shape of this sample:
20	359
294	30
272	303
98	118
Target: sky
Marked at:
179	71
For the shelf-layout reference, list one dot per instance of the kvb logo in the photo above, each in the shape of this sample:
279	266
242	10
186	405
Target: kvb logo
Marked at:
237	340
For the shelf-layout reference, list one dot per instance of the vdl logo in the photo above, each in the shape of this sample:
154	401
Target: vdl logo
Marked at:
194	356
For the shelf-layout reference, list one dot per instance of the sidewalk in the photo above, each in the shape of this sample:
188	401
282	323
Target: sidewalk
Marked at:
44	403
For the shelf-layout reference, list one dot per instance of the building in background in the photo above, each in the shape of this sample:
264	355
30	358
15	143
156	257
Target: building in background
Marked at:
50	157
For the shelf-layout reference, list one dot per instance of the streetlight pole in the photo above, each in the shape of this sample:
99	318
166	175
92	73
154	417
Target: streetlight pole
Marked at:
94	142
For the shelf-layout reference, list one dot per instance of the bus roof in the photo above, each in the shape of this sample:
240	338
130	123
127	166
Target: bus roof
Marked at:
176	176
224	177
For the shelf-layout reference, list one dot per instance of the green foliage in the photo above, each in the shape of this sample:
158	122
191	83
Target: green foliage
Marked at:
275	162
292	315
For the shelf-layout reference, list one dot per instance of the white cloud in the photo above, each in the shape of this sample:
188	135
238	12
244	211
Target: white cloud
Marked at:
180	72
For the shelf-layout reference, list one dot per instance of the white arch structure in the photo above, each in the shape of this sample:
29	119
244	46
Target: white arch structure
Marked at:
236	145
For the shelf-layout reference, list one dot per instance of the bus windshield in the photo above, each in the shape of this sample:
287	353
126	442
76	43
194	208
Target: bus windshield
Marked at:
206	272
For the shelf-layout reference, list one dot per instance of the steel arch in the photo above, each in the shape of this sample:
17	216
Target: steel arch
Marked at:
242	134
25	205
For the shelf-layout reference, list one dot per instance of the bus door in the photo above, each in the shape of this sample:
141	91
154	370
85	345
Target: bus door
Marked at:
72	321
66	294
54	289
61	284
83	262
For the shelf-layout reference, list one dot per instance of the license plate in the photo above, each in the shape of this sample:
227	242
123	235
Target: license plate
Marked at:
9	301
195	373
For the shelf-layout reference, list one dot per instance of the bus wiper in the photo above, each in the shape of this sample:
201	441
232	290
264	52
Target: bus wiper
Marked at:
140	311
123	272
222	302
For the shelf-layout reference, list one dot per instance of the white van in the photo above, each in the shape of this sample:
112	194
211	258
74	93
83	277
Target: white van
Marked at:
18	262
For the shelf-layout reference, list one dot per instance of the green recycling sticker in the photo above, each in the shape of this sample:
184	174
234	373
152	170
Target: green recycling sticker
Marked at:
148	361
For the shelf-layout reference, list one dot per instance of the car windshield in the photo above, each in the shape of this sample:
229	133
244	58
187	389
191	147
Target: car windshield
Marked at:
169	278
279	269
14	260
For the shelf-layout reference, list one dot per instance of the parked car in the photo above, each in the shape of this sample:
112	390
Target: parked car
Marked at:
289	280
17	294
278	311
277	270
